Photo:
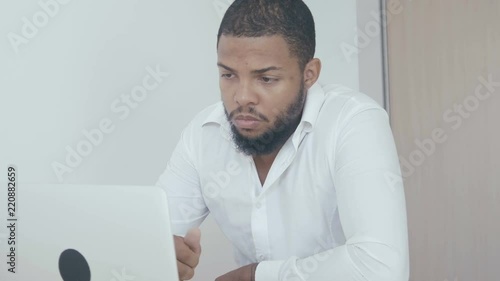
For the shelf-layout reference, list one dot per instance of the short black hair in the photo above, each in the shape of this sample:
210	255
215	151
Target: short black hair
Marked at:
291	19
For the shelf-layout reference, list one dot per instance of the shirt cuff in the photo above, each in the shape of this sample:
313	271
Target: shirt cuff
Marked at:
268	270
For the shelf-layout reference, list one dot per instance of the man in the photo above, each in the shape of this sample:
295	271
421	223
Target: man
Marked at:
304	180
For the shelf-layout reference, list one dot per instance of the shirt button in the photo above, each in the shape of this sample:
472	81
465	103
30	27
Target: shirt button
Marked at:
261	257
258	205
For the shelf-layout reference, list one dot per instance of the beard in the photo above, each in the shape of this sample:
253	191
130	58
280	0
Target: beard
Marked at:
275	137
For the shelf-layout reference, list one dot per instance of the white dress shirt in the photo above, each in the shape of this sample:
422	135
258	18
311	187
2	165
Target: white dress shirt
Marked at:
331	208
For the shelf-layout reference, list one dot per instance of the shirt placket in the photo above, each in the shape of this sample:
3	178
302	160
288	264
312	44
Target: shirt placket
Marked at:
260	229
259	218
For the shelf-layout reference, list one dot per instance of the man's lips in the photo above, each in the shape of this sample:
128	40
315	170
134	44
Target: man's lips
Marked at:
246	122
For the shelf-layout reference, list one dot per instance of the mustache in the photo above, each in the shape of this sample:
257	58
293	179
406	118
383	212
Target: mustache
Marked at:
251	111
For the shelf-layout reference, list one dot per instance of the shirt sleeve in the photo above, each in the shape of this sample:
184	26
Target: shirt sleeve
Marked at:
372	210
181	183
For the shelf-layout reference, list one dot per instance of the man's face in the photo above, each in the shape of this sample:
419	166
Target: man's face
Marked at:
262	90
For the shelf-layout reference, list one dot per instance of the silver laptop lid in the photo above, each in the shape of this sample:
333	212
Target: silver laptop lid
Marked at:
107	233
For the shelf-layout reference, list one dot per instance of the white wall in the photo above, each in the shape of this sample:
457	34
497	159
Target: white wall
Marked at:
70	74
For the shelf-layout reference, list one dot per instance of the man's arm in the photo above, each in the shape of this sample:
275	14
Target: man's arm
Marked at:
180	181
187	208
244	273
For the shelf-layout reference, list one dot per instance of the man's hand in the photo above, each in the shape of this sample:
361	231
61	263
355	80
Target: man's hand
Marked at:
245	273
187	251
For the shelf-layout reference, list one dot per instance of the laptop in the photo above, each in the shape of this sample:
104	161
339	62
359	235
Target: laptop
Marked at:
89	232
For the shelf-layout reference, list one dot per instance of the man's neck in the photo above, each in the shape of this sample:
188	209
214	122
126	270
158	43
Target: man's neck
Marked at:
265	160
263	164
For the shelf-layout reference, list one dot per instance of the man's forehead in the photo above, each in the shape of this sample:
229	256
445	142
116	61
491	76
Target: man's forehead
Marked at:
264	51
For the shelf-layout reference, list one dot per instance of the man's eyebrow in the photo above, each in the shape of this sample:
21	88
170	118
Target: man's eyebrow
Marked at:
257	71
264	70
226	67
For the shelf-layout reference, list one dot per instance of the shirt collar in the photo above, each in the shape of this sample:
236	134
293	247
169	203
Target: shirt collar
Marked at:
217	116
314	101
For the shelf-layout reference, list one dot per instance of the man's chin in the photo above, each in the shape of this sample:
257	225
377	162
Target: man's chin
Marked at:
249	134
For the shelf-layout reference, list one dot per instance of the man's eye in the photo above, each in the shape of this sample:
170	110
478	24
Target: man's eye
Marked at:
226	76
268	80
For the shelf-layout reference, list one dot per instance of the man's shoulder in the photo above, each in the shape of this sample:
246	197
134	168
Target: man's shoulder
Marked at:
335	93
347	101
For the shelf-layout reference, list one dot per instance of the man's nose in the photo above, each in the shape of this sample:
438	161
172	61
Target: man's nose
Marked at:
245	94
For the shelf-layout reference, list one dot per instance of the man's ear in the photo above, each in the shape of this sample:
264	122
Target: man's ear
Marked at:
311	72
